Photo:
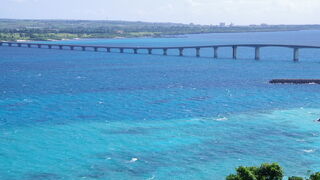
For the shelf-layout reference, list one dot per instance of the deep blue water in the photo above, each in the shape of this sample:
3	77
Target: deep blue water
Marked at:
96	115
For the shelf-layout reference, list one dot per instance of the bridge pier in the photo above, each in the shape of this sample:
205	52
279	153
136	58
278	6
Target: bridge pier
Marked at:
198	52
19	45
234	52
83	48
71	48
0	43
95	49
10	44
49	47
29	45
121	50
257	53
215	54
39	45
149	51
135	51
296	54
108	50
60	47
181	51
165	52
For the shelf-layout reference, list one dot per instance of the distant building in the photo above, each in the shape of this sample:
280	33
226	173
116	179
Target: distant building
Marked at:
222	24
120	32
231	25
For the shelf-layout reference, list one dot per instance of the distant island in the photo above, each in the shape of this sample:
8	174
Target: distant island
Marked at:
46	30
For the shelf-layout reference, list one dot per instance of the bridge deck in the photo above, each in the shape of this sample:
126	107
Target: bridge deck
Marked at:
166	47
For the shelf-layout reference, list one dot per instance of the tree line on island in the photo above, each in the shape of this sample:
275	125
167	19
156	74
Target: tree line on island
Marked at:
266	172
12	30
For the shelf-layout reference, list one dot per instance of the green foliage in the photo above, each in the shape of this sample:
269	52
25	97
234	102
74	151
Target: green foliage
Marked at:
270	172
295	178
315	176
246	173
264	172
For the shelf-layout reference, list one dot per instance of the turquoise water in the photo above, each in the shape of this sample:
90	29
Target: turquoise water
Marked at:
86	115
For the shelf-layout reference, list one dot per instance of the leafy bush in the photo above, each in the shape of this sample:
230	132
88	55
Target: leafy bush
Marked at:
265	172
295	178
315	176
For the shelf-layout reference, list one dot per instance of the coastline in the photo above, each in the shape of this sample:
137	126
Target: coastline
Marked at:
46	30
182	35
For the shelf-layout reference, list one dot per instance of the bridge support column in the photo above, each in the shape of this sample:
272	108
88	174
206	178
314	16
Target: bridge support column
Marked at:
0	43
10	44
165	52
198	52
19	45
149	51
135	51
72	48
49	47
296	54
60	47
39	45
95	49
108	50
257	53
83	48
215	53
29	45
121	50
181	51
234	52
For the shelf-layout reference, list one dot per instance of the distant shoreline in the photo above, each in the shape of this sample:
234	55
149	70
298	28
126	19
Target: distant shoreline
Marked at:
161	36
57	30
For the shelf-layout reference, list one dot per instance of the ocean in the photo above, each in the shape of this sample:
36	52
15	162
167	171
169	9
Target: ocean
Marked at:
97	115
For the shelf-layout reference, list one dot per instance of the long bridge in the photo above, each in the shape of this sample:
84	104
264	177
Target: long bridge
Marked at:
181	49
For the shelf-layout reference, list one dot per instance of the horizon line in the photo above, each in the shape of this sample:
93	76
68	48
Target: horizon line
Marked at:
154	22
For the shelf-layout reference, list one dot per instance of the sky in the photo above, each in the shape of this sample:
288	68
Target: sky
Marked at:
239	12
